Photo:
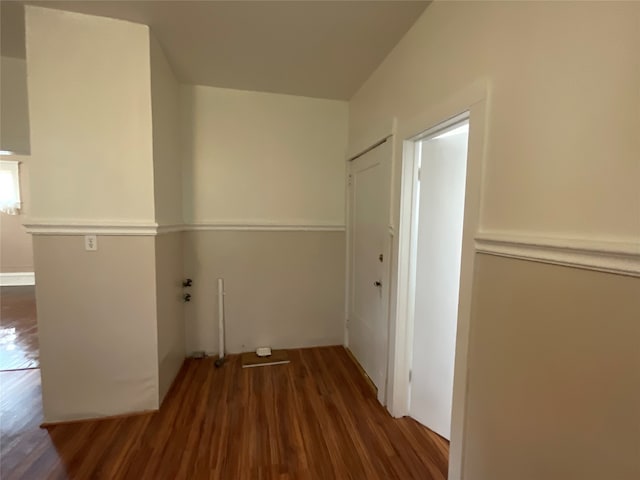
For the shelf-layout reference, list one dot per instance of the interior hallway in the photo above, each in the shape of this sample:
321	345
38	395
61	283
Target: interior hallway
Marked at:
315	418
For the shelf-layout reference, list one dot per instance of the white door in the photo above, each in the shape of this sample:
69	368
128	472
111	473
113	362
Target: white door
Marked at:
368	328
443	162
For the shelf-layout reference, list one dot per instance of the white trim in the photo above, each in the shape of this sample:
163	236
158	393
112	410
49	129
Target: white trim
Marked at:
70	227
14	279
359	142
372	147
175	228
347	257
620	256
264	227
66	227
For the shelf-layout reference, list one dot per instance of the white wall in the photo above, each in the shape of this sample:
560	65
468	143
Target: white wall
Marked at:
170	310
263	158
562	147
252	159
282	289
14	107
167	181
91	164
96	326
554	383
167	156
90	114
562	160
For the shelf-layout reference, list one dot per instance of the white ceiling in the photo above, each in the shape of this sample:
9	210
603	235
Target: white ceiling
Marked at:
321	49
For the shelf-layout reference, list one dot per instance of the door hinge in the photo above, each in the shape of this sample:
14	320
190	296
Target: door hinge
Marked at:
410	372
349	179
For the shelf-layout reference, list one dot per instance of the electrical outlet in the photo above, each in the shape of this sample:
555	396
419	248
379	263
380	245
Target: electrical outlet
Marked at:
90	243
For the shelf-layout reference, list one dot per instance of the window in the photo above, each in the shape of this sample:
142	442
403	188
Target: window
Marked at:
9	187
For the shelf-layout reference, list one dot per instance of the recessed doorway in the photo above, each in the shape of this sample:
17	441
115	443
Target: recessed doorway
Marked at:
421	178
441	158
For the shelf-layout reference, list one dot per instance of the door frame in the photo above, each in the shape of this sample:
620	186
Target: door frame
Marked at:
470	103
412	150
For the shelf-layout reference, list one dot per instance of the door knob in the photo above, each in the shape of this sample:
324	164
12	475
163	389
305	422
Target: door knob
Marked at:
377	284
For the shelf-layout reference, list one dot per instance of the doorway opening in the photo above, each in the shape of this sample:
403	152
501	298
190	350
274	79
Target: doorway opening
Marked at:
439	206
438	191
19	348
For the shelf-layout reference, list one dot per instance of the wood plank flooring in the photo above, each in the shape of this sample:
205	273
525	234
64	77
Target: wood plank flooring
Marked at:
315	418
18	328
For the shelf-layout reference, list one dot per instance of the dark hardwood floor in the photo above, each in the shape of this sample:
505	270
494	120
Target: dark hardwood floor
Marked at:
315	418
18	328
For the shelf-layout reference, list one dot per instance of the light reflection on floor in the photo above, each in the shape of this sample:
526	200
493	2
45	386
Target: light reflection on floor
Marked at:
8	338
18	328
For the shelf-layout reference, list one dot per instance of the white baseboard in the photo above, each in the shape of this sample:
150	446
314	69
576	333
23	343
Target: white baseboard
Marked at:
15	279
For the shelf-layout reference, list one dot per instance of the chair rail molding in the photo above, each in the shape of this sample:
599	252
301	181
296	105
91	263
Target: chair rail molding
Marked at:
620	256
51	226
142	228
15	279
263	227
